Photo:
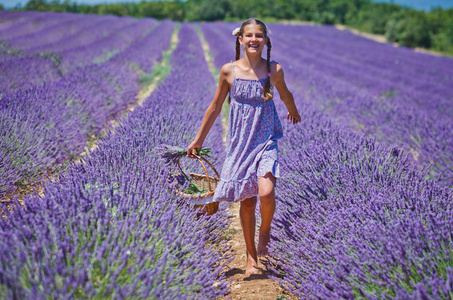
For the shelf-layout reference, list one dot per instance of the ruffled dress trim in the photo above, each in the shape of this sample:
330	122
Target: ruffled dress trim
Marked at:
233	190
239	190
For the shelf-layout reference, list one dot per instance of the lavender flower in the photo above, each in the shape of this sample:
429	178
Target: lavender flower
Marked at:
382	230
111	227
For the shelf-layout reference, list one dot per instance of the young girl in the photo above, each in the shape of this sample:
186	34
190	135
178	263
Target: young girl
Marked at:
251	164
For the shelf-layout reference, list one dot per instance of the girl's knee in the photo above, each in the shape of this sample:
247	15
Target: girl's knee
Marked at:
266	187
267	195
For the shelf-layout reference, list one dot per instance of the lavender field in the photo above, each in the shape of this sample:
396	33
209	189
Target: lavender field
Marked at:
363	206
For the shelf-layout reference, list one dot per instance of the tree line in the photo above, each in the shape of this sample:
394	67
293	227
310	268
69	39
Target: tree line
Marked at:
406	26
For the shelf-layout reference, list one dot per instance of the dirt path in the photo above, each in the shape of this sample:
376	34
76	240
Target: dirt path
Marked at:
254	286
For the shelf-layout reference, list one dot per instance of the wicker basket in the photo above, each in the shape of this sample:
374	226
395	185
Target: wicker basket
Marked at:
205	182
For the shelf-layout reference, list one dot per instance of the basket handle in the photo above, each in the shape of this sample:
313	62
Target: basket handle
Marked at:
200	158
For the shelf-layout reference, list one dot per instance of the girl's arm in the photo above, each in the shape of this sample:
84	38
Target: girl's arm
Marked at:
213	110
286	96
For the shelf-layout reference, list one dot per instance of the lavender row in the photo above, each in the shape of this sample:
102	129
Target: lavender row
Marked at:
105	25
424	133
35	23
103	49
42	64
354	218
49	124
52	34
95	47
221	45
111	227
11	18
134	53
21	72
417	128
382	70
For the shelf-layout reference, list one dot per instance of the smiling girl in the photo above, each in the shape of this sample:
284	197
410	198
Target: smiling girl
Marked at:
251	165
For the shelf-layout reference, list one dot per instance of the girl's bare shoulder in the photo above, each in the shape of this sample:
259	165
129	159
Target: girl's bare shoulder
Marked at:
276	67
226	70
276	71
226	73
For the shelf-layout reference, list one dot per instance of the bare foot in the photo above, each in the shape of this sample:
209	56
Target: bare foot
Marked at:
252	266
262	244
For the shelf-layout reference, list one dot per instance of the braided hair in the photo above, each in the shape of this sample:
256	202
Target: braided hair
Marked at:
267	85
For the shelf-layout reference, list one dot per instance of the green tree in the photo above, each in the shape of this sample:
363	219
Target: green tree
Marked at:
441	23
161	10
409	28
372	17
112	9
38	5
207	10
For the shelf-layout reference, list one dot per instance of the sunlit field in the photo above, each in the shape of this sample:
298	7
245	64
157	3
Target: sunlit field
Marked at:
363	205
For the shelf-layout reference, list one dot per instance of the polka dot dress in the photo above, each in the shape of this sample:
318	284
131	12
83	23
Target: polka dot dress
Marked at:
252	150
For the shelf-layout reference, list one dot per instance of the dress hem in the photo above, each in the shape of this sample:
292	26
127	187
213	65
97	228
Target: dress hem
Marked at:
253	174
252	185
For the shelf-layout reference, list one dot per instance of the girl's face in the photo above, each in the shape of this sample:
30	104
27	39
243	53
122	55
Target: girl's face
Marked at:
253	39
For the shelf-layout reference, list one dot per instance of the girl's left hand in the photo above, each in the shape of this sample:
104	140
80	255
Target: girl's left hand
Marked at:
293	118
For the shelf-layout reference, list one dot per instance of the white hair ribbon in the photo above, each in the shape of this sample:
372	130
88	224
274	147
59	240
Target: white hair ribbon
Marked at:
236	31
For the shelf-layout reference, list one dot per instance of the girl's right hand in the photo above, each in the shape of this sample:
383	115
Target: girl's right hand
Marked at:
194	145
293	118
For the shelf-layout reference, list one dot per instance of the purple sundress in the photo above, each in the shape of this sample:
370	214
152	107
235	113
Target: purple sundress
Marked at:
253	130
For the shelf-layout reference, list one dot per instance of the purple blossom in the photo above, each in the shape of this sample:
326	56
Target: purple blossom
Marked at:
356	215
111	227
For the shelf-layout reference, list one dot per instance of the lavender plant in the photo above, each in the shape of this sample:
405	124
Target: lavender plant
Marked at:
105	48
49	123
391	104
32	22
160	35
51	34
84	35
111	227
356	218
13	18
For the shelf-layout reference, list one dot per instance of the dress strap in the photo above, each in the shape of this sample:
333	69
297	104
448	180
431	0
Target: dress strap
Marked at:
232	66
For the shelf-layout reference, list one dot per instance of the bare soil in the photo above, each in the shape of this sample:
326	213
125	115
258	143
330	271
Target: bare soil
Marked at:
257	286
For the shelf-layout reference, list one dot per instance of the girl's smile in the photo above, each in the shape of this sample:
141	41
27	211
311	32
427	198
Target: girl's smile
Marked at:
253	38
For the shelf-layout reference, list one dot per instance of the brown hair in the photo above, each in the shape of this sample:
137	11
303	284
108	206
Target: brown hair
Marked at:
267	86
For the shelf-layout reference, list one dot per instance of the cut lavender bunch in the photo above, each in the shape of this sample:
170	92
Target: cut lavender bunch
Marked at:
172	153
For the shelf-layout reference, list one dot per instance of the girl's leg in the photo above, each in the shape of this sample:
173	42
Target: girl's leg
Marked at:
267	208
248	223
